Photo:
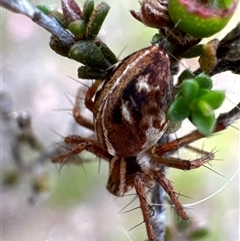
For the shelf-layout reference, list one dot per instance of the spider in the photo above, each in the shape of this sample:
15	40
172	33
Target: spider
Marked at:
129	119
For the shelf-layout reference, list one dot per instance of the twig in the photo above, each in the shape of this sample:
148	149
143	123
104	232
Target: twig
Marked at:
50	24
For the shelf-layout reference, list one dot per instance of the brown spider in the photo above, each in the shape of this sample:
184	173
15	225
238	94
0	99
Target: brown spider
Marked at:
129	117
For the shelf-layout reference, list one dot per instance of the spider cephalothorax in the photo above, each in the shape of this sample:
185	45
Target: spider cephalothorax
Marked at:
129	117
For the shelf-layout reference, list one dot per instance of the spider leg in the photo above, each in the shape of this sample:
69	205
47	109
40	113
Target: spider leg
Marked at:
160	177
177	143
147	210
79	118
89	95
81	144
183	164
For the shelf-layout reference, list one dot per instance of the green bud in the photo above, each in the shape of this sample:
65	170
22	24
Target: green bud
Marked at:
78	28
87	10
204	108
204	81
204	124
96	20
107	52
213	98
190	89
202	91
178	110
88	54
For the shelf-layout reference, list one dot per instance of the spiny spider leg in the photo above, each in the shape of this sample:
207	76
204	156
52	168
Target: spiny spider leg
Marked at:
145	207
168	188
184	164
83	144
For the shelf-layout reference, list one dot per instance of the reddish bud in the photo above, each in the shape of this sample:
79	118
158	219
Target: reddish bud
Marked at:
71	10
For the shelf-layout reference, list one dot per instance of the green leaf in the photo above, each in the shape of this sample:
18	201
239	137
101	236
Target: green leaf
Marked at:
78	28
87	10
202	91
213	98
190	89
107	52
96	20
88	54
204	108
205	125
204	81
178	110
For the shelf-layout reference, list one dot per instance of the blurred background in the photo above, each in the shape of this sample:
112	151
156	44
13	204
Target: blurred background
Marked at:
75	204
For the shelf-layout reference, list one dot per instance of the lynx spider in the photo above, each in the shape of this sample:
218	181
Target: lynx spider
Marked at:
139	171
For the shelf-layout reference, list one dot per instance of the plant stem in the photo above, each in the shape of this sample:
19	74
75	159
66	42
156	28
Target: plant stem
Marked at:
50	24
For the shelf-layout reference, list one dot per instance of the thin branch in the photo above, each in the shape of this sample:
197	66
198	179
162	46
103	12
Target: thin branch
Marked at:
50	24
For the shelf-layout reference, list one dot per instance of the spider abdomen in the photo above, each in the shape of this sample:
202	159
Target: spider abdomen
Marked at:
130	108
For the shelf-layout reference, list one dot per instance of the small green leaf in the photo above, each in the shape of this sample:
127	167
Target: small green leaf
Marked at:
204	124
107	52
204	108
190	89
178	110
96	20
87	10
202	91
204	81
78	28
88	54
213	98
44	8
